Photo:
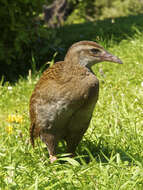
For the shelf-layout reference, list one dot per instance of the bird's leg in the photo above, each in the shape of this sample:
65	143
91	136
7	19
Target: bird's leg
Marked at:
71	148
50	141
72	143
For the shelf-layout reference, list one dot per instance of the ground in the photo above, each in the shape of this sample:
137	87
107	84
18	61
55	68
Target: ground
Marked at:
109	157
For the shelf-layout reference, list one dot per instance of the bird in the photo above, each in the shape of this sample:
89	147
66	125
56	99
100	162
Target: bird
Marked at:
62	103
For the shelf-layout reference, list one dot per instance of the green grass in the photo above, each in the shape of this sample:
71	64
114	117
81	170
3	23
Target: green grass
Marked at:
110	156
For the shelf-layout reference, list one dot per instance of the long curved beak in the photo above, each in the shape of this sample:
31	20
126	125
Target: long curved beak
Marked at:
111	58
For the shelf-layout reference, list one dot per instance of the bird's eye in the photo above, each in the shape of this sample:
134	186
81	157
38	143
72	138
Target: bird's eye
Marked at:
95	51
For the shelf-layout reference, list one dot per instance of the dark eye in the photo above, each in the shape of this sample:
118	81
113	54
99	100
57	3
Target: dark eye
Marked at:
95	51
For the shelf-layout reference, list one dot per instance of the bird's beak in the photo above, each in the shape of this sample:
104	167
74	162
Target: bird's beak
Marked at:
111	58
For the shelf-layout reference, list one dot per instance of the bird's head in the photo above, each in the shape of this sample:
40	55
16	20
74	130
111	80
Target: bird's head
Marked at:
87	53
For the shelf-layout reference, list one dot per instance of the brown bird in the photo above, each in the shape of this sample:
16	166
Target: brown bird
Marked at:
63	100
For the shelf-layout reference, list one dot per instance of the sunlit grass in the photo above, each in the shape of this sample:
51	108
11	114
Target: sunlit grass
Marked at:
110	155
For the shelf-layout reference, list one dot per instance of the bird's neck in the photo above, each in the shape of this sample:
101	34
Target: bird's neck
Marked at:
72	59
76	61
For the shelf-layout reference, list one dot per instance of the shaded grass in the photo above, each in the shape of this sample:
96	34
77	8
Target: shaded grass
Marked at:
110	155
108	32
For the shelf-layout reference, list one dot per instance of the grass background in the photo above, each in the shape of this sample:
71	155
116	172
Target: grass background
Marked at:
110	156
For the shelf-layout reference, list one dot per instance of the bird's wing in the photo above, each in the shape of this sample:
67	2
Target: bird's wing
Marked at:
53	101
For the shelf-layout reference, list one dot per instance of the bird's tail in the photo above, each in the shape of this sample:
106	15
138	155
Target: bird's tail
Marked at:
32	127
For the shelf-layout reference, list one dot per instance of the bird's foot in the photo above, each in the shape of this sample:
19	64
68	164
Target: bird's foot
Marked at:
52	158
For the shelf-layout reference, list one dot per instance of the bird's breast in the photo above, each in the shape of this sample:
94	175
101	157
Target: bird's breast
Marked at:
84	88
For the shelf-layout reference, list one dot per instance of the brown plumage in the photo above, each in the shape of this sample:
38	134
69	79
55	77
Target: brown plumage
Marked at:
63	100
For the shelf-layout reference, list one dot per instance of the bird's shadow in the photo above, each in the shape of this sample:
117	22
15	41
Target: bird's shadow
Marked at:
105	153
100	152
